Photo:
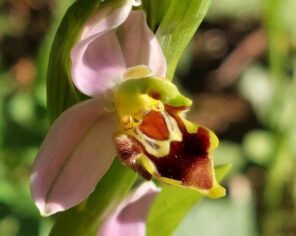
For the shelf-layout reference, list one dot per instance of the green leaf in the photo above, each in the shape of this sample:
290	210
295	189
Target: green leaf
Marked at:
178	27
222	218
155	11
61	93
172	205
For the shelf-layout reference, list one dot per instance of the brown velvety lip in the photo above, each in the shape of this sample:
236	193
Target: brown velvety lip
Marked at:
188	160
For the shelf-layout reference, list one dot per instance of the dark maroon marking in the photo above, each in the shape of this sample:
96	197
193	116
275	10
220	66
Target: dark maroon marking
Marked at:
188	160
142	171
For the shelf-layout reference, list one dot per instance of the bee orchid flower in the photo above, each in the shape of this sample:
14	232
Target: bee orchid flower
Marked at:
133	111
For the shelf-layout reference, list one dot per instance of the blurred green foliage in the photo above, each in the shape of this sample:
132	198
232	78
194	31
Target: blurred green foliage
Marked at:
23	117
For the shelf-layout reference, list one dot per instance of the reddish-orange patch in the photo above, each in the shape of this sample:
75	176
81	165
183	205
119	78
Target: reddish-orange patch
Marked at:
154	126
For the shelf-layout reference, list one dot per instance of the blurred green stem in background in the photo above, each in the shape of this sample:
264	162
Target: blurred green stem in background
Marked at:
281	167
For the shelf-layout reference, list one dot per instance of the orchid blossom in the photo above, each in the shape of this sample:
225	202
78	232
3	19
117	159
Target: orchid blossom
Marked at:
130	216
134	111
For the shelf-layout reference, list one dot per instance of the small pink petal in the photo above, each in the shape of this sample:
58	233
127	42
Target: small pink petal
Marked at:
74	156
139	44
130	216
97	57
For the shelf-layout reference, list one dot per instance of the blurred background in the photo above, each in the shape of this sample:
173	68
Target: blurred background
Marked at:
240	70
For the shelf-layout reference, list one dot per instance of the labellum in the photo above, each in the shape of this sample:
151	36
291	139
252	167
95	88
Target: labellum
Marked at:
157	141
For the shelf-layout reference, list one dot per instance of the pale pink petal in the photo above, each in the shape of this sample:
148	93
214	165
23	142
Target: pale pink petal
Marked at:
74	156
129	218
139	44
101	66
106	18
97	57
